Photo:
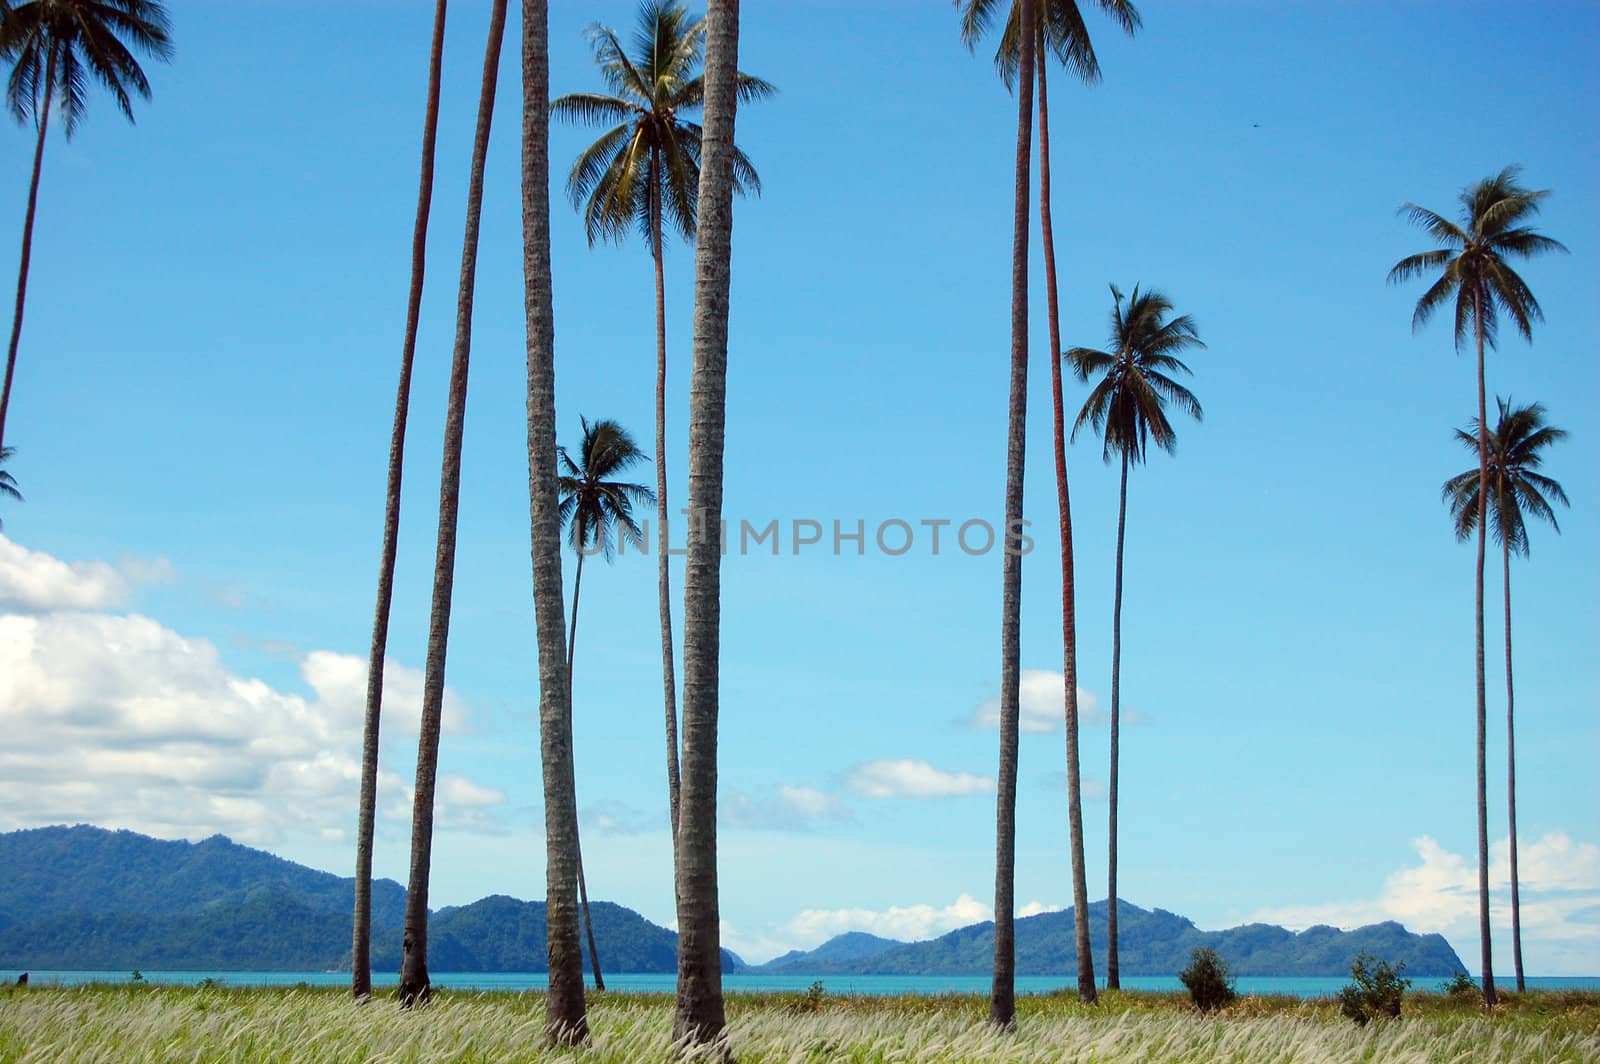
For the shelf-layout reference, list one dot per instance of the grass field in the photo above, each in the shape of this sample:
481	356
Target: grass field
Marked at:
149	1023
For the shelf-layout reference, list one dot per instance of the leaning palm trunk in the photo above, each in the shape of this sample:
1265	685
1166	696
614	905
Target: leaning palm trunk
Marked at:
361	939
414	987
566	1022
577	846
1002	1000
1069	619
27	244
1483	784
698	1018
1511	780
669	683
1113	980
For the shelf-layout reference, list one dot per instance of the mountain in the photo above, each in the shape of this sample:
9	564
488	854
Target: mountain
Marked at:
83	898
840	949
1149	941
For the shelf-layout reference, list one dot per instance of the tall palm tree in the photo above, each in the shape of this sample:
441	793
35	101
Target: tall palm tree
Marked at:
593	504
698	1016
1471	263
644	172
1061	31
1128	408
1515	488
414	985
8	483
361	939
566	1020
56	48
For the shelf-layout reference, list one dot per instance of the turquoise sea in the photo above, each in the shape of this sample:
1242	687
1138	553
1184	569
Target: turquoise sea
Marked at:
664	983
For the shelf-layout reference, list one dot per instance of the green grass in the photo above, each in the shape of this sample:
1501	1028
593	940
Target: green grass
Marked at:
153	1023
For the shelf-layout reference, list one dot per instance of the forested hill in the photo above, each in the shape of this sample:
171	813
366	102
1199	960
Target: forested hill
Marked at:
1150	942
86	898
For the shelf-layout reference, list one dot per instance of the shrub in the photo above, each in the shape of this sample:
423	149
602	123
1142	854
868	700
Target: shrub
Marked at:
1210	986
1376	990
1461	985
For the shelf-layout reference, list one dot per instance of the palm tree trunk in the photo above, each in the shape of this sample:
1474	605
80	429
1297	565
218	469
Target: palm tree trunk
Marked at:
1511	781
1069	611
566	1021
1002	997
1483	784
698	1018
577	845
361	938
1113	981
27	242
669	682
414	987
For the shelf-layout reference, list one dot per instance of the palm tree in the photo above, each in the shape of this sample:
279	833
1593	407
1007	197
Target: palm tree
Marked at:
698	1017
361	940
1061	30
1128	408
8	483
56	48
566	1020
592	506
1471	264
414	985
644	171
1515	487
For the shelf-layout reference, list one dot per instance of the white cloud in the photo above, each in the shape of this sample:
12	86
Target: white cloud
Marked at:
119	721
1041	706
1034	908
1559	882
908	923
791	809
905	778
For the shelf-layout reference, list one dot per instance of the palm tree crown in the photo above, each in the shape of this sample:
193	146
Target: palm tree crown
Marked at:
1515	486
60	46
592	503
1061	30
8	483
1472	257
1128	404
646	167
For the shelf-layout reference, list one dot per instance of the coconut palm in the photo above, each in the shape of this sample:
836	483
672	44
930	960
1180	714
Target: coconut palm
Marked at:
1516	488
8	483
644	173
566	1021
1127	407
698	1016
361	940
414	985
593	505
1061	31
1471	266
57	48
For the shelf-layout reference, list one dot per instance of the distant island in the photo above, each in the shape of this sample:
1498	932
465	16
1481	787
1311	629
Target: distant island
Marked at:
83	898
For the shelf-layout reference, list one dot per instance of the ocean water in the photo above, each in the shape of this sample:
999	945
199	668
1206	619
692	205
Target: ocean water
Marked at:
664	983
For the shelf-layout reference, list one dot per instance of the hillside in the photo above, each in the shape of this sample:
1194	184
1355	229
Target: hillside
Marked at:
89	899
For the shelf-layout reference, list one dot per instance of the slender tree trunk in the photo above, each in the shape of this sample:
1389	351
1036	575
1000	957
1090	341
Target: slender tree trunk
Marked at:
577	846
1113	978
1002	999
566	1021
414	986
669	682
1511	781
1483	783
361	938
1069	611
27	241
698	1019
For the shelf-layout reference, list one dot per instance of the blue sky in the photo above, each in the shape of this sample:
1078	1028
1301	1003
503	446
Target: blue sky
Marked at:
207	376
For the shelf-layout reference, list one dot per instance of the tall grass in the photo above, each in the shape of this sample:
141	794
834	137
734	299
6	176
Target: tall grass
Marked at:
212	1024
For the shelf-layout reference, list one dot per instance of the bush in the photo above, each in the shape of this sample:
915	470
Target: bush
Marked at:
1210	986
1376	991
1461	985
